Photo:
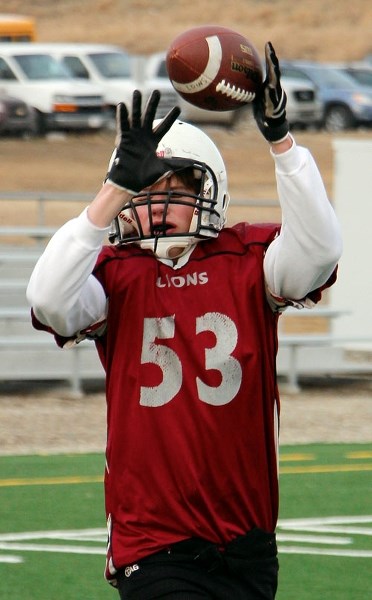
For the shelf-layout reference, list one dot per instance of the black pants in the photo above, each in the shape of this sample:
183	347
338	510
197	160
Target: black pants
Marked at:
247	569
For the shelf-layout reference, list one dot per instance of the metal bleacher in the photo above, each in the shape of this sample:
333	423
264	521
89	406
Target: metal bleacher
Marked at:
27	354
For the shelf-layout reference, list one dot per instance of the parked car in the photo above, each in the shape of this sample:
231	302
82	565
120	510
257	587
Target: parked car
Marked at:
346	104
108	67
303	107
29	71
359	72
115	72
16	117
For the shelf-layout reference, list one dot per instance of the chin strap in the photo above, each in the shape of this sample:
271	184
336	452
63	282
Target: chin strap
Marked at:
169	248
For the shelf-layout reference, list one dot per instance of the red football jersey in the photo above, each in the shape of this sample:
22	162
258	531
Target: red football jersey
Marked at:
192	395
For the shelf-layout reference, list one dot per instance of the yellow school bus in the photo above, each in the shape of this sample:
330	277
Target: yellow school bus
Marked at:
17	28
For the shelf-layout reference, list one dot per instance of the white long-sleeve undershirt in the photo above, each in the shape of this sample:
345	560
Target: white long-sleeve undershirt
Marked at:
68	298
304	255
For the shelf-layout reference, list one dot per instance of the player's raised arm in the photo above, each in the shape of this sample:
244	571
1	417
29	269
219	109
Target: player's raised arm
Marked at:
303	256
63	293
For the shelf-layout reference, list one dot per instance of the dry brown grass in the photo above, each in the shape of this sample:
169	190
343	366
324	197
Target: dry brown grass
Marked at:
331	30
77	163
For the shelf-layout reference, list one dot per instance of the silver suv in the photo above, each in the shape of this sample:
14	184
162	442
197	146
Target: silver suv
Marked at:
346	103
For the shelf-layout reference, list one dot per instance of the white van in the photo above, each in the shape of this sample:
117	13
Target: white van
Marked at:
29	71
108	67
117	73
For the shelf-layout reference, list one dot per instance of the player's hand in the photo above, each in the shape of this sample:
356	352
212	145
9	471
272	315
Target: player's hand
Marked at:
270	103
134	164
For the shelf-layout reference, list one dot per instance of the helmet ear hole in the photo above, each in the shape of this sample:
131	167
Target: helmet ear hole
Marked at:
226	201
190	178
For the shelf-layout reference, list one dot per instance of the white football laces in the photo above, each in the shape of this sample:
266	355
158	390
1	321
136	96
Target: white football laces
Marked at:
233	92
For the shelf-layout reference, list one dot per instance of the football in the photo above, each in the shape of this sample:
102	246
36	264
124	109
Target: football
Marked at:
214	68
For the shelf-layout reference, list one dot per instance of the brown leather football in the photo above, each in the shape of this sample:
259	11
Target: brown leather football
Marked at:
214	68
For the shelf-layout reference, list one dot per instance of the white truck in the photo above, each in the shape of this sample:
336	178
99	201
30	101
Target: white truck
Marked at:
116	72
30	72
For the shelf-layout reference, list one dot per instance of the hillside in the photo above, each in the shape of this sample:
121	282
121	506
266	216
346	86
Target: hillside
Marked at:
332	30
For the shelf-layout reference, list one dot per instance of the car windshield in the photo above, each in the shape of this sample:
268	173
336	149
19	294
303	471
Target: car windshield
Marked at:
112	64
331	78
41	66
364	77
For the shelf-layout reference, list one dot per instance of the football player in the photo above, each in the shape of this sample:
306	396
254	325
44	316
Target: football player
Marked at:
184	314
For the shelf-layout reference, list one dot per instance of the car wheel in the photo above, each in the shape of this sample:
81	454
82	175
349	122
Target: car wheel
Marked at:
111	123
40	124
338	118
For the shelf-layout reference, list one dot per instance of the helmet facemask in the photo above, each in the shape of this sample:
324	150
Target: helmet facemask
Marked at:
205	222
195	160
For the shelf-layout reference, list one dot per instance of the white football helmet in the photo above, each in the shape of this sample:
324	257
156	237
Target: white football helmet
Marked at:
210	201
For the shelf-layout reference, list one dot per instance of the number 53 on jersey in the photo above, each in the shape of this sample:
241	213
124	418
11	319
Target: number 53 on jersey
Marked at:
219	358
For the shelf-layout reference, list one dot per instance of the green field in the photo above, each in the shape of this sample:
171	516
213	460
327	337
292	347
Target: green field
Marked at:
52	526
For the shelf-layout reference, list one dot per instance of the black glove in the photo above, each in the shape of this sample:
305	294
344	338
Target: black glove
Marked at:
269	104
135	164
